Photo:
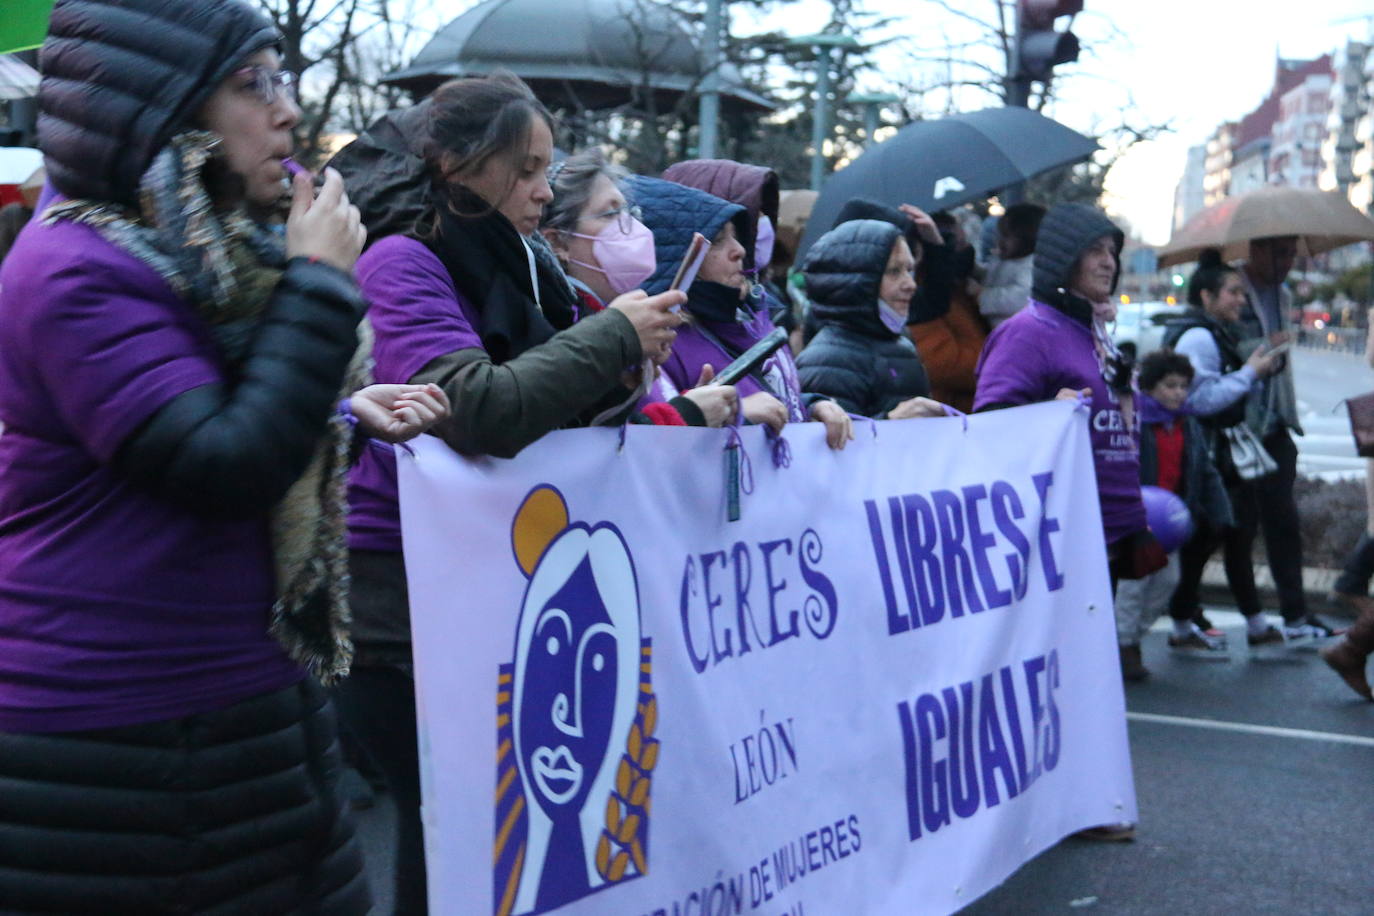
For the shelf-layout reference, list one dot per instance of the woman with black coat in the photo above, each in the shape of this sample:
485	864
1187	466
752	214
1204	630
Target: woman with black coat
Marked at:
172	473
861	277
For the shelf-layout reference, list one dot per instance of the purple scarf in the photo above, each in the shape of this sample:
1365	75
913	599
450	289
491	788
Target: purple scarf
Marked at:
1151	411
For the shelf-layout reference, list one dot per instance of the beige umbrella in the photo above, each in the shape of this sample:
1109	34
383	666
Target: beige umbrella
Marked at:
794	209
32	188
1322	220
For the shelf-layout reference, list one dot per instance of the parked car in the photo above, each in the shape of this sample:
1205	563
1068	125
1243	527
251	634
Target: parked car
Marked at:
1140	326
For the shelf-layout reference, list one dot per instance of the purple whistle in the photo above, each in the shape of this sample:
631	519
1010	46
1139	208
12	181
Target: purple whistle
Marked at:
294	168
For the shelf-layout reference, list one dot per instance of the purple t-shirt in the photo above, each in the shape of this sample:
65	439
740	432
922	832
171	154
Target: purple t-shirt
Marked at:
417	315
116	607
692	350
1029	358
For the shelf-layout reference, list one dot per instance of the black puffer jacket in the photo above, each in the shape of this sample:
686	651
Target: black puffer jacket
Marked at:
854	357
1066	232
101	125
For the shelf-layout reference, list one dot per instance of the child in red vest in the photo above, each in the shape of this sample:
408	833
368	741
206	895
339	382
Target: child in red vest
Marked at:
1175	455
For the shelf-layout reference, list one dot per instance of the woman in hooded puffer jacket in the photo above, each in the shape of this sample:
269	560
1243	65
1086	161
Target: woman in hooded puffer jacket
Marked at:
171	483
861	279
725	319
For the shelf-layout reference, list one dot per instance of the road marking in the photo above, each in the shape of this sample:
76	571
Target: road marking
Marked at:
1249	729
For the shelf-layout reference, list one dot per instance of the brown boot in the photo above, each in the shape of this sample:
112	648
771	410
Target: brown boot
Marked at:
1349	655
1132	667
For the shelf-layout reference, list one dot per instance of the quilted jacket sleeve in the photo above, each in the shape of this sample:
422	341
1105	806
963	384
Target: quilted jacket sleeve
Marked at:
839	369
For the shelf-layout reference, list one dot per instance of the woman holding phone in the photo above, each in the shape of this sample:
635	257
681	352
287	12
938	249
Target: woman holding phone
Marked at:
1219	394
451	190
595	232
725	321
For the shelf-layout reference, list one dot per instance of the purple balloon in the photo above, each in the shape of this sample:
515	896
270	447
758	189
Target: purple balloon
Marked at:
1168	518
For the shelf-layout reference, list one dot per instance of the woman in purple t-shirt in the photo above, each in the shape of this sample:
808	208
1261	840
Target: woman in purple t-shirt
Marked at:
1058	347
451	190
171	482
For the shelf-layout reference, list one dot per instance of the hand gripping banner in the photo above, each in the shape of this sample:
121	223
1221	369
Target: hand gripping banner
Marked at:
888	684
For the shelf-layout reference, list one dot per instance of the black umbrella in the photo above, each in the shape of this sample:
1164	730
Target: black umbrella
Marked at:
941	164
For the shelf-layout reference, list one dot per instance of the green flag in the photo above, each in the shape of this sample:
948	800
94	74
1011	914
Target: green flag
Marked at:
24	24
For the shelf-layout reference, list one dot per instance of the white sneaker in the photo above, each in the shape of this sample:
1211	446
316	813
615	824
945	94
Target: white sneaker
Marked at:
1302	634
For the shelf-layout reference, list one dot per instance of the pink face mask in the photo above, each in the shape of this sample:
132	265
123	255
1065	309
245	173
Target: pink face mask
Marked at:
626	258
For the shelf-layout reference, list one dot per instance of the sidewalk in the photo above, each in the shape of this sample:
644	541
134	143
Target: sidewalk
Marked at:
1316	583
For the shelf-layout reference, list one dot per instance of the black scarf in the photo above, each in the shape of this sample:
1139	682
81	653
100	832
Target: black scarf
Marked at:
489	264
716	302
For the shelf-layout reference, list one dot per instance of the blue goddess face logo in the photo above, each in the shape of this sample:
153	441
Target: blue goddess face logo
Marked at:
569	694
576	716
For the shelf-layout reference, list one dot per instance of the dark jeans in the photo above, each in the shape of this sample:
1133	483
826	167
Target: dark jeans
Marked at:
378	704
1266	505
1237	544
1278	518
1359	568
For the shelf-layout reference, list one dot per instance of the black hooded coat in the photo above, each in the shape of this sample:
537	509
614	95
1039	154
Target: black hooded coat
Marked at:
854	357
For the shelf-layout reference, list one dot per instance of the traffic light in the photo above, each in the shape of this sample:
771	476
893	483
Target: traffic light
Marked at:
1039	47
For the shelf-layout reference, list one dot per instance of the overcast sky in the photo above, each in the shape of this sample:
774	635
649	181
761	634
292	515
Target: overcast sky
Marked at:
1197	62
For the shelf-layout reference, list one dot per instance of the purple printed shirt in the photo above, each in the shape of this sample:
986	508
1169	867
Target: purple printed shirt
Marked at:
416	315
1029	358
116	607
692	350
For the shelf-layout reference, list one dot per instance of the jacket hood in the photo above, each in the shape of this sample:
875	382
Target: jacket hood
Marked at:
1066	232
753	187
844	271
122	77
385	172
863	208
673	212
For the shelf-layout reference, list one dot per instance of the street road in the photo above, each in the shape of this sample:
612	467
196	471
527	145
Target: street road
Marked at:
1234	817
1323	379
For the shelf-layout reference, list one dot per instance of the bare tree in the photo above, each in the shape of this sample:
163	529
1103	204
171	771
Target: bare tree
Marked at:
974	70
316	38
340	49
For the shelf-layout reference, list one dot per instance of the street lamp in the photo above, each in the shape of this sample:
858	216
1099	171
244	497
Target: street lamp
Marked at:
708	119
822	44
872	103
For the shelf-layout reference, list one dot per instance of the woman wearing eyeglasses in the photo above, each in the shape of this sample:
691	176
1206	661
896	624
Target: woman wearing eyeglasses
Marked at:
861	277
172	468
459	296
606	252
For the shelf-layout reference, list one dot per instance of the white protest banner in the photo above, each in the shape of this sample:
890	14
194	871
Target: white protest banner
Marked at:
889	683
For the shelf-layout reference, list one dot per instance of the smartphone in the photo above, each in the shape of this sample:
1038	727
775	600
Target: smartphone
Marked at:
691	262
752	358
1281	350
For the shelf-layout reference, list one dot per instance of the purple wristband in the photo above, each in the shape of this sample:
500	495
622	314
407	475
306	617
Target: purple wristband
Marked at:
345	410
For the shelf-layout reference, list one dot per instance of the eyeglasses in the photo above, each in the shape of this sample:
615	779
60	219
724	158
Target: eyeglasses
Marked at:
269	85
624	217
